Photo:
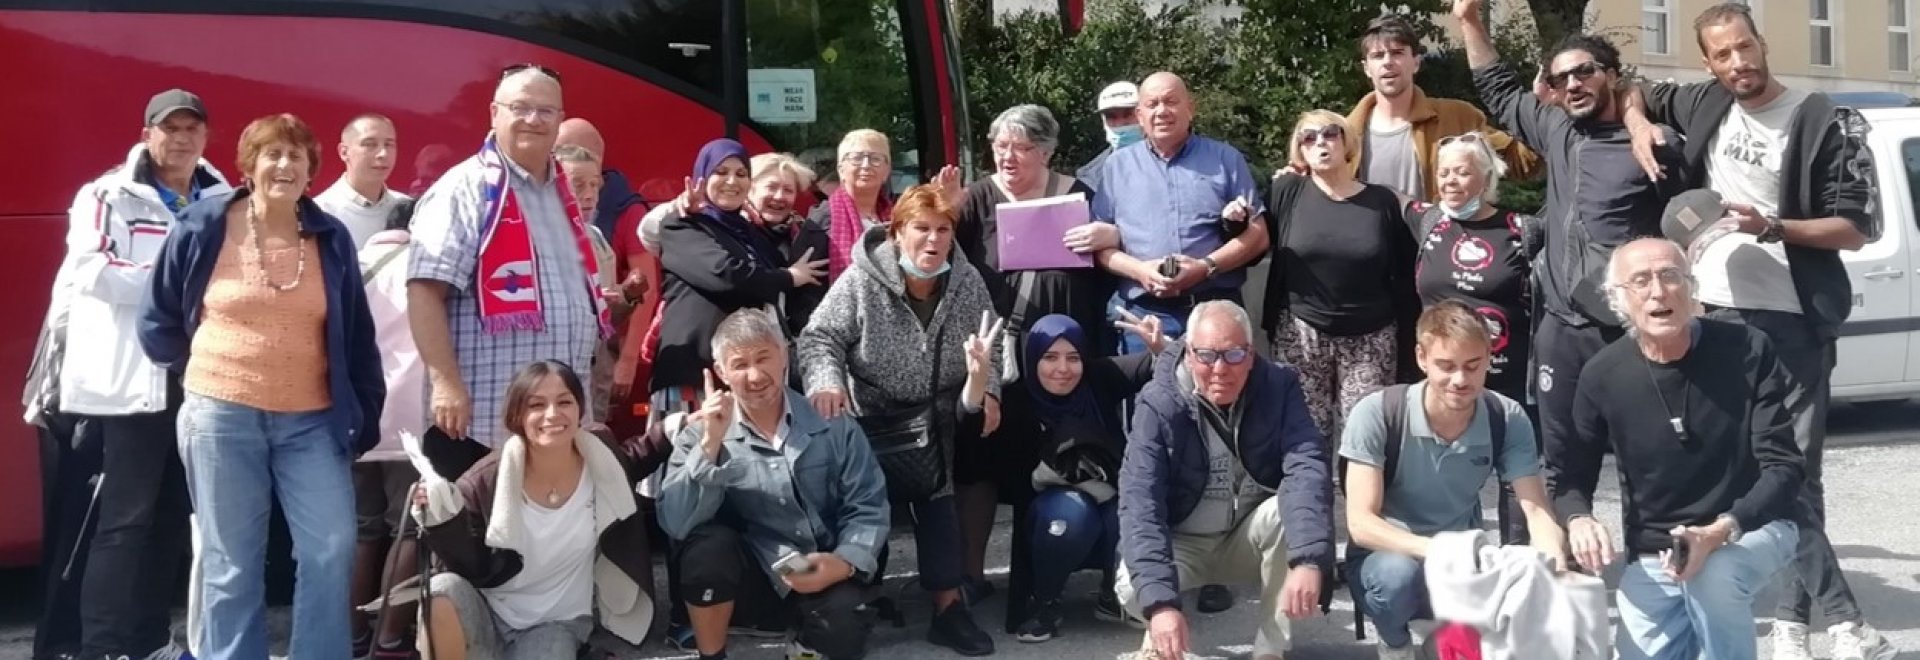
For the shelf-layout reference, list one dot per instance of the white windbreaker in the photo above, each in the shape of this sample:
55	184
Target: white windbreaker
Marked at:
115	230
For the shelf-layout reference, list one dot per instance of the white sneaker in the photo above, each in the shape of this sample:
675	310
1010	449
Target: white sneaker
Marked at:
1859	641
1790	641
1402	653
798	651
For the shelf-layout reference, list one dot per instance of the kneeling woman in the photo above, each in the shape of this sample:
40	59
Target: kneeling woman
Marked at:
540	535
1074	517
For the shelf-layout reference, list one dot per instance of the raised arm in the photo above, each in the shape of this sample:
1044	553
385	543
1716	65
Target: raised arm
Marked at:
1513	105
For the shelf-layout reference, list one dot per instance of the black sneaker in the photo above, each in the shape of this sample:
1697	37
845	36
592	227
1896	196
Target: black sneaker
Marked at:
1106	607
1042	624
955	629
1215	599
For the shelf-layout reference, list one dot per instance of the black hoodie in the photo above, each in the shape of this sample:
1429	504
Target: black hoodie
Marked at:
1829	173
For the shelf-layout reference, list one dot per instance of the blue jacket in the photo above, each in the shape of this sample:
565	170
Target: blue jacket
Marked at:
1165	472
170	314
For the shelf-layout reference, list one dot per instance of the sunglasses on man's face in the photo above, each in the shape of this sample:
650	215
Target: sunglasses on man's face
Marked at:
1581	72
550	73
1312	136
1210	357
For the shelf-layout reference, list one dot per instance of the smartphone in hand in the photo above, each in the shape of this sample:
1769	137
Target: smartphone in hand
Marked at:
1676	558
792	563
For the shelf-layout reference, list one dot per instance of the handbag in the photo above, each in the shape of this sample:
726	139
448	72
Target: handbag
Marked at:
904	442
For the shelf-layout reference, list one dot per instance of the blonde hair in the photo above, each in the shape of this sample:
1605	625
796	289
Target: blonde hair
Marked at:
1320	118
864	137
775	164
1480	153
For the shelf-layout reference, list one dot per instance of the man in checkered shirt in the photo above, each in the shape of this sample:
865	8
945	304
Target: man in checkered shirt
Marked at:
468	366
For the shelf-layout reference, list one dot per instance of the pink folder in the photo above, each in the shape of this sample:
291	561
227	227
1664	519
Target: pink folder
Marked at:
1031	231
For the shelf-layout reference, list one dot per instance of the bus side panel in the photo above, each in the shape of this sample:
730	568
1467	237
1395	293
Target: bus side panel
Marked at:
93	73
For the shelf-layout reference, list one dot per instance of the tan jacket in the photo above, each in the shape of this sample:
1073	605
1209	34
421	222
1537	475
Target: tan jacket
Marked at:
1434	119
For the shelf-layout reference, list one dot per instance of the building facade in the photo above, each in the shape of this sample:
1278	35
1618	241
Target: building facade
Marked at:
1827	45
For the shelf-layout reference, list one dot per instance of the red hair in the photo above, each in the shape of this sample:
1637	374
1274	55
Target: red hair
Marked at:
284	127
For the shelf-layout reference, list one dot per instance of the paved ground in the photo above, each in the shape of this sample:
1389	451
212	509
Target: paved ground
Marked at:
1872	524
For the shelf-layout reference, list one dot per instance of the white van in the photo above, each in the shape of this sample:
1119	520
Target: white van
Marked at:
1879	348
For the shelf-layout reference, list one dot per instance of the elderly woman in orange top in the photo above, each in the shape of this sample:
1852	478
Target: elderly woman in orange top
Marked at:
257	301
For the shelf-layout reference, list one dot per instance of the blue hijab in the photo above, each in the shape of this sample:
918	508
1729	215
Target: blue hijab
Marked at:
1050	408
734	222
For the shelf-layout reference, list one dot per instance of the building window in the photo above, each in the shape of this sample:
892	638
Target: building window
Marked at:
1821	43
1899	37
1655	17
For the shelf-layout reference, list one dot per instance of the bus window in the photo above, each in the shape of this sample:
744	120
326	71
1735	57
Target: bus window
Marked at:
680	38
820	68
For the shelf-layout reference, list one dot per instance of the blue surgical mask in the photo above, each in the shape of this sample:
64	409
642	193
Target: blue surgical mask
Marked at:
907	266
1464	212
1125	135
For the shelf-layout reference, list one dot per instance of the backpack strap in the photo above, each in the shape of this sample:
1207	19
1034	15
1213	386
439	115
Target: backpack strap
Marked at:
1496	425
1393	401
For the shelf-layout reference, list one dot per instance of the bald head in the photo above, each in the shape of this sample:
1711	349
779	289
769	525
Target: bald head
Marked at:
1165	111
581	133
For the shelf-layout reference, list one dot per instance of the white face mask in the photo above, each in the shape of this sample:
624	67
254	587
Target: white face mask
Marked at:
1465	211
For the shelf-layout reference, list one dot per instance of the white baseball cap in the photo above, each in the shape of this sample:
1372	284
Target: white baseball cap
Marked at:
1122	94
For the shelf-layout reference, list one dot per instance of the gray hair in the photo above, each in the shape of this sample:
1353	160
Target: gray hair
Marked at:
573	153
1481	155
1035	123
1233	311
747	326
1615	290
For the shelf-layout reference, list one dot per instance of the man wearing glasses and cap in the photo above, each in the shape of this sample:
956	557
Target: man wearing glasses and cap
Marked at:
116	227
1116	106
1216	433
502	272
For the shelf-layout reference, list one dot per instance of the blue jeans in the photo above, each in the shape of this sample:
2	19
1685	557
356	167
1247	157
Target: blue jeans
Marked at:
238	460
1708	616
1070	532
1391	590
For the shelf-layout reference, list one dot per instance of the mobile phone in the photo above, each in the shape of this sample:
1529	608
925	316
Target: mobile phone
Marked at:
1170	267
1677	559
719	384
793	563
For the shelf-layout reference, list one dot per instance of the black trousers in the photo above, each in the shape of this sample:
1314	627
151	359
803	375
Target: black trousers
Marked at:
69	463
717	568
140	538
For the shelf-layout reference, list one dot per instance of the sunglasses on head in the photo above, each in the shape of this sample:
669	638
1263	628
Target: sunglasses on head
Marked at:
1311	136
1209	356
1463	138
550	73
1581	72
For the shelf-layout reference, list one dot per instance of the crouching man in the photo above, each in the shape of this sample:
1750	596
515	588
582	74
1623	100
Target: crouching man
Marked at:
1215	434
1418	456
774	510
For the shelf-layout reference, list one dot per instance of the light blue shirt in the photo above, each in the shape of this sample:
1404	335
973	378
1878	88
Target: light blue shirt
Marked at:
1165	206
1436	486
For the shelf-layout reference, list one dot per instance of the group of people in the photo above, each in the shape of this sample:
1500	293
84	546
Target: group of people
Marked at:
805	377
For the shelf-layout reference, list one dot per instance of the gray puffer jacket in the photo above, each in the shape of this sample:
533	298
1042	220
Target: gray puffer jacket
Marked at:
864	340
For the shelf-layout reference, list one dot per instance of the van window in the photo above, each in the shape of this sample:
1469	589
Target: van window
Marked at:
1910	159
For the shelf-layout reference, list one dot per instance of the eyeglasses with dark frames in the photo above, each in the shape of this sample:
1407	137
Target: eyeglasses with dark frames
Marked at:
1211	356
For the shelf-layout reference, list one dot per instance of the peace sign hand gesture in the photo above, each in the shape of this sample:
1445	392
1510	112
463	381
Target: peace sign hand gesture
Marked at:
980	346
1146	328
692	200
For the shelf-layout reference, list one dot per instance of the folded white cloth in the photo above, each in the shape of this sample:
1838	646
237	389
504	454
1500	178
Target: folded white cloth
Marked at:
1511	594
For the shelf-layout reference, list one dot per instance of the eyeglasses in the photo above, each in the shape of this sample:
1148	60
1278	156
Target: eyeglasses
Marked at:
1668	277
864	159
530	112
1010	147
1581	73
550	73
1312	136
1210	356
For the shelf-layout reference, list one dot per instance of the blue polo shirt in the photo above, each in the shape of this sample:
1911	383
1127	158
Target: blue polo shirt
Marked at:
1436	487
1165	206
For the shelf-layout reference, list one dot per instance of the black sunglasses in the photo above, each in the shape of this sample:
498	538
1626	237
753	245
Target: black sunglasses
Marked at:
550	73
1209	357
1582	72
1311	136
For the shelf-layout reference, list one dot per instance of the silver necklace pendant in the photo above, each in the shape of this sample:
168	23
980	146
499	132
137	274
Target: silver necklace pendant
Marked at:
1678	426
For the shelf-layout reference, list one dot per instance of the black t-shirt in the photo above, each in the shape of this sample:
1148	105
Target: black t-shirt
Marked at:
1483	264
1737	455
1077	292
1349	262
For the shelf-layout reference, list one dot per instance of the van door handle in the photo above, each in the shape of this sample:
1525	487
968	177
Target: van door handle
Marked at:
1884	274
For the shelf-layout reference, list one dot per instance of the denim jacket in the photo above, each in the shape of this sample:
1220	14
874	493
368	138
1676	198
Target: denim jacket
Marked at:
170	313
821	491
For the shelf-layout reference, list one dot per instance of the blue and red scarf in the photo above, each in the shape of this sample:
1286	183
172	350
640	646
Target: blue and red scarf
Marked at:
508	274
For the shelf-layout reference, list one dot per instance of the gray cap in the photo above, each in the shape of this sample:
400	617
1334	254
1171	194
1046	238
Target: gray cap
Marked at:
165	103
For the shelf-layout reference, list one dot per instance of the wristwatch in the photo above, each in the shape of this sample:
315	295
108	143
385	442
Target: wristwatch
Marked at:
1212	266
1733	536
1774	233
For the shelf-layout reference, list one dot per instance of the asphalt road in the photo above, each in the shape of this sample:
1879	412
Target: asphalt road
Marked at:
1875	451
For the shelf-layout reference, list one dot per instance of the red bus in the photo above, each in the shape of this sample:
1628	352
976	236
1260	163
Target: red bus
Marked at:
658	77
